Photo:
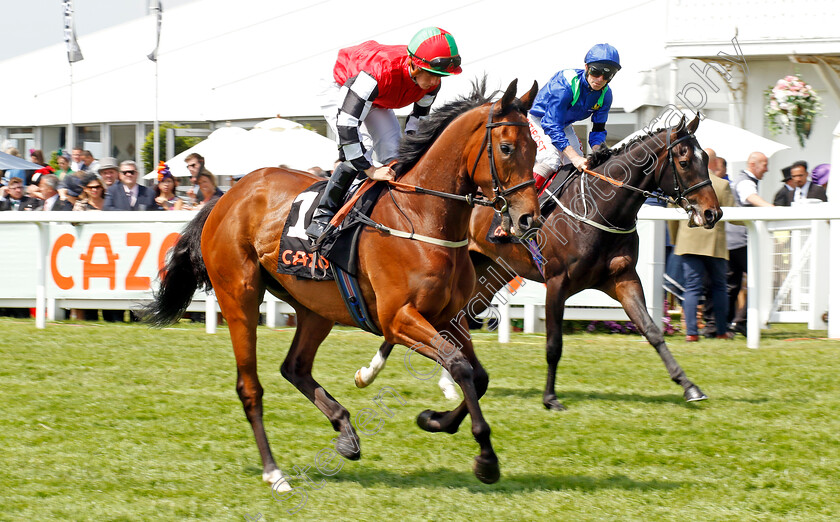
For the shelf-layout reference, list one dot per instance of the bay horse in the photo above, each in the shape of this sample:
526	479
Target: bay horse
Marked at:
411	288
592	243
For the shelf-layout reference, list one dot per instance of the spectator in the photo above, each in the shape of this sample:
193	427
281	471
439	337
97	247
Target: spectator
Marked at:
93	195
64	169
820	175
745	190
720	170
797	187
207	187
109	171
165	195
89	164
49	199
37	156
126	194
14	173
704	253
76	162
195	165
12	196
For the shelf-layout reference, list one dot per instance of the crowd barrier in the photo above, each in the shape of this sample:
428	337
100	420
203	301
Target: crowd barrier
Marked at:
109	260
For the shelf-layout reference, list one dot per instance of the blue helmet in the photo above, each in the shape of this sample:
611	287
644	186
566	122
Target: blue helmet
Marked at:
603	53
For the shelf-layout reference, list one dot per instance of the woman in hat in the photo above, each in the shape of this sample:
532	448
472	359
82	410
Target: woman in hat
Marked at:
165	195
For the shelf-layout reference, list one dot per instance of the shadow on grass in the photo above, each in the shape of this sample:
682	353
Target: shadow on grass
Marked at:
514	483
580	396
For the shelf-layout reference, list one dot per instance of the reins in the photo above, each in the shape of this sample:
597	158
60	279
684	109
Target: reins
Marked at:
678	186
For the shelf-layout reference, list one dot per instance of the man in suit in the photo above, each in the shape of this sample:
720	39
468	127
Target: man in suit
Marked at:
49	198
12	197
704	252
127	194
797	186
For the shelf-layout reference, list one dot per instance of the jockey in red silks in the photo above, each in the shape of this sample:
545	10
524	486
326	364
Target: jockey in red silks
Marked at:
570	96
369	81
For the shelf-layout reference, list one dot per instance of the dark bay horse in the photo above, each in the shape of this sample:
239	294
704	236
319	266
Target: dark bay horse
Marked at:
593	243
412	288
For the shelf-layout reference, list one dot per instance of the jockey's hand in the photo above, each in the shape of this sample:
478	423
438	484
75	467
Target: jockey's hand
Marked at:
580	162
383	173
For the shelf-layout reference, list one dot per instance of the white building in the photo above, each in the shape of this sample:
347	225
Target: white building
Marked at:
242	62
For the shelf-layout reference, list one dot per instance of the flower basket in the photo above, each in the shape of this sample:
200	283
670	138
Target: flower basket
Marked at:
791	107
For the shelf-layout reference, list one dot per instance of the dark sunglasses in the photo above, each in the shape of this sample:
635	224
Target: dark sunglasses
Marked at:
128	172
94	187
443	64
598	72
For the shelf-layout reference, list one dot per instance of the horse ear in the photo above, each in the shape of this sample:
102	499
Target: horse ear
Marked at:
680	125
529	97
692	127
510	93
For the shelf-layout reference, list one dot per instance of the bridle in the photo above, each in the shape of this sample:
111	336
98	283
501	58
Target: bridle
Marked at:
498	193
678	184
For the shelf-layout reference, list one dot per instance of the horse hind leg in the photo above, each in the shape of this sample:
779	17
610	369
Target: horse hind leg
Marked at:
240	308
311	331
367	374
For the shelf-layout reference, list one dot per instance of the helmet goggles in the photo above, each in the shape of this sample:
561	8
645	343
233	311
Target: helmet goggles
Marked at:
602	70
442	64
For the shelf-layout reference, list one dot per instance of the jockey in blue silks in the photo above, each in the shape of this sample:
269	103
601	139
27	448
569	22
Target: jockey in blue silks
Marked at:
570	96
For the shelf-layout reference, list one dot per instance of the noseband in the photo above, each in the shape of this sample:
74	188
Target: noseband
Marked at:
498	192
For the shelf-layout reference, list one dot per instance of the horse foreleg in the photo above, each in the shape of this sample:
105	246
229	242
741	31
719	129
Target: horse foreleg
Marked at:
411	329
366	375
311	331
555	306
628	292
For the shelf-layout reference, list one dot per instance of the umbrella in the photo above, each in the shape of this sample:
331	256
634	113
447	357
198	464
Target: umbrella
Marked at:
233	151
7	161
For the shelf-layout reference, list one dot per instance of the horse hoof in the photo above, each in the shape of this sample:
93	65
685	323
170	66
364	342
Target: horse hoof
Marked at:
693	394
486	470
348	449
429	420
277	480
554	404
358	378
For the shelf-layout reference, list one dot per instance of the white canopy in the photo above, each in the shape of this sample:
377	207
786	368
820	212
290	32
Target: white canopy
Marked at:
234	151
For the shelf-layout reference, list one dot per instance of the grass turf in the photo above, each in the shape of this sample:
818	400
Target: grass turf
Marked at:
119	422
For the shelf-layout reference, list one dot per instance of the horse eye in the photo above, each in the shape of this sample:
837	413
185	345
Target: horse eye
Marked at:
506	149
683	164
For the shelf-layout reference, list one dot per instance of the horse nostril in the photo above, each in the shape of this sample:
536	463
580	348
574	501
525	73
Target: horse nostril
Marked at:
710	216
526	221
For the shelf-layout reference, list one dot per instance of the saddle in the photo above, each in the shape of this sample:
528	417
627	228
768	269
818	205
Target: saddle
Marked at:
337	257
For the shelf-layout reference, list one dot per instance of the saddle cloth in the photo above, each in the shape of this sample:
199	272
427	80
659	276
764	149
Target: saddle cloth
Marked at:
341	248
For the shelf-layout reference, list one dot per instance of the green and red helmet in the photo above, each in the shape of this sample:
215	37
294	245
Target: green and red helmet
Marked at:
433	49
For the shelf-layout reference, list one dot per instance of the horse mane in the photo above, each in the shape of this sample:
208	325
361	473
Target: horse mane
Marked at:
413	146
600	156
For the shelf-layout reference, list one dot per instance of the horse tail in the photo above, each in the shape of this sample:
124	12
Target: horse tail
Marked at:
183	273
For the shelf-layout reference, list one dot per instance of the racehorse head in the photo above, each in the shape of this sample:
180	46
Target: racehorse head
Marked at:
682	172
505	171
473	145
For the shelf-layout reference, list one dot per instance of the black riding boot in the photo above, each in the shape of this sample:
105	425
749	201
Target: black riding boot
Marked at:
330	202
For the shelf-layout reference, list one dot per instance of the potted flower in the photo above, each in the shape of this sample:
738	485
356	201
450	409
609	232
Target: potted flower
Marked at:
791	107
